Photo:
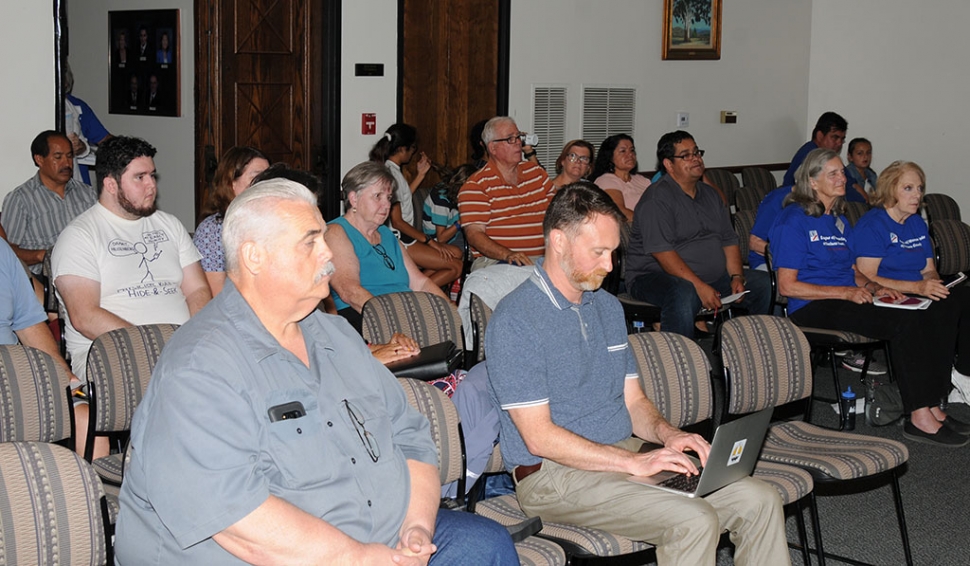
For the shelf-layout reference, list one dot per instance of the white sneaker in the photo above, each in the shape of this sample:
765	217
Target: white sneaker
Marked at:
856	360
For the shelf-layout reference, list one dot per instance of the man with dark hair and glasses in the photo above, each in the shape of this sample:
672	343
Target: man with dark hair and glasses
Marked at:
683	254
502	205
270	434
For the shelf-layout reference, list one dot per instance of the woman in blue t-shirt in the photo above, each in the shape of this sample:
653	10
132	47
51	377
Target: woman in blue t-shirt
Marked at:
812	243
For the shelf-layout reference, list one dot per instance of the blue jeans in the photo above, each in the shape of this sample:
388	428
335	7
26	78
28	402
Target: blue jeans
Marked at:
469	539
679	303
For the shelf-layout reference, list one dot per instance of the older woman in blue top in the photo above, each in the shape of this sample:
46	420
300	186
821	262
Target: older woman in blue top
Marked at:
368	258
811	243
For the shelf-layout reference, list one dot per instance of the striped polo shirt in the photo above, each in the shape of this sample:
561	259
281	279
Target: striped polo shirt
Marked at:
512	215
33	215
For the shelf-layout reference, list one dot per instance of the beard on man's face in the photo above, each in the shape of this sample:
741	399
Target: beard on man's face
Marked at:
130	207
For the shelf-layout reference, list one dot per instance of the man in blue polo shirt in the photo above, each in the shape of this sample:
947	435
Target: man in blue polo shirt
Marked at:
561	369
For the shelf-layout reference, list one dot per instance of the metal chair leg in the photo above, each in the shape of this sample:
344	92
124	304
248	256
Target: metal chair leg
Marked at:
813	512
802	535
903	532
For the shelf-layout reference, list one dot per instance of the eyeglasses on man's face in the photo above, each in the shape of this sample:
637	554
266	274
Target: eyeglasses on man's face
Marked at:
513	139
698	153
370	443
573	158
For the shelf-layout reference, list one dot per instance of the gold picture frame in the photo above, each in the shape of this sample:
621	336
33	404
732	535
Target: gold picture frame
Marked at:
702	40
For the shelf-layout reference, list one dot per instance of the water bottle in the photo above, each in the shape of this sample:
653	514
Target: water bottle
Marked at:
848	409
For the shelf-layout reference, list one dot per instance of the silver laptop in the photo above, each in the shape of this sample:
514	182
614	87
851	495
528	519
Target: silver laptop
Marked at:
734	454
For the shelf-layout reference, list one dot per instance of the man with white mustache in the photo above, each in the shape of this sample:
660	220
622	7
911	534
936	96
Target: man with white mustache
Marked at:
123	262
35	212
270	434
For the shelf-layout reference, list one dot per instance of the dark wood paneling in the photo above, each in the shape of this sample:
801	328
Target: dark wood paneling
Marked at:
449	69
259	82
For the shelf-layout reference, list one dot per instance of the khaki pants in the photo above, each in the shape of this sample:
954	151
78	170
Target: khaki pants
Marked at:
684	530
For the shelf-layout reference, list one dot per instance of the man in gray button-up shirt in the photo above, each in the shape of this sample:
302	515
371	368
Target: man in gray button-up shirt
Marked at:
35	212
269	433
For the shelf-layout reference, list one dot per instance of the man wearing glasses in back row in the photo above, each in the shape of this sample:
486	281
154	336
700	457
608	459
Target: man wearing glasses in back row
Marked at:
503	204
270	434
683	254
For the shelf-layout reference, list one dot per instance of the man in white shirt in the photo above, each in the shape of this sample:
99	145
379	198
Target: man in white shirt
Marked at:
123	262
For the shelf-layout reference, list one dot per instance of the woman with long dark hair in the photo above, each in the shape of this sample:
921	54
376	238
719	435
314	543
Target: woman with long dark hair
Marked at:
615	172
233	175
441	262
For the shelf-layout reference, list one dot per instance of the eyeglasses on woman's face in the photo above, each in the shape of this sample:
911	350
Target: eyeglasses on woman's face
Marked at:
573	158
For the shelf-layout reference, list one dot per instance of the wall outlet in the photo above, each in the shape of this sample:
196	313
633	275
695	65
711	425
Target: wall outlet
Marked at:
683	120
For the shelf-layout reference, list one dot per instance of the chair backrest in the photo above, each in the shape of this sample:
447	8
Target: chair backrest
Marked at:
854	211
51	304
767	363
33	398
417	200
951	240
120	363
748	198
758	177
743	223
675	374
726	181
480	315
52	506
445	427
941	207
428	319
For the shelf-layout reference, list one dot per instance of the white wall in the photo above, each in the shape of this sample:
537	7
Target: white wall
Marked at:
27	90
762	73
369	36
173	137
897	71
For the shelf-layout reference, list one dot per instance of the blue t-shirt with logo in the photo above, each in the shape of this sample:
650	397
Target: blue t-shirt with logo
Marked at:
817	247
768	210
904	248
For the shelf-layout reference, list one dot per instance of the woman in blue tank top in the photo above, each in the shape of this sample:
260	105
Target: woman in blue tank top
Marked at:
368	258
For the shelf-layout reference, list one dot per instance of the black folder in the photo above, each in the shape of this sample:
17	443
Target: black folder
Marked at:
432	362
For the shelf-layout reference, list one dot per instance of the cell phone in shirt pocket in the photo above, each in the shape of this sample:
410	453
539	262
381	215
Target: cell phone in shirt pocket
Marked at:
286	411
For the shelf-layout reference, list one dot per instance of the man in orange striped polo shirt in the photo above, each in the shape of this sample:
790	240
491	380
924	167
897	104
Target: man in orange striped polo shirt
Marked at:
502	205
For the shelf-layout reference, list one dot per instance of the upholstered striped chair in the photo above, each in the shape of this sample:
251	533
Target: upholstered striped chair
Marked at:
759	177
726	181
480	315
446	432
120	363
826	342
748	198
766	362
941	207
428	319
675	374
34	403
854	211
743	223
951	240
53	507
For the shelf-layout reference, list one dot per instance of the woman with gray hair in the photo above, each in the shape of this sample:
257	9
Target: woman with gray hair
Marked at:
369	259
811	243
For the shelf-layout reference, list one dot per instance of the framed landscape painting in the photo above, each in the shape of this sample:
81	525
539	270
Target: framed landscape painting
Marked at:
692	29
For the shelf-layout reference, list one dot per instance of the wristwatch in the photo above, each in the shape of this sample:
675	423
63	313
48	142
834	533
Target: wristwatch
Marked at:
738	275
528	155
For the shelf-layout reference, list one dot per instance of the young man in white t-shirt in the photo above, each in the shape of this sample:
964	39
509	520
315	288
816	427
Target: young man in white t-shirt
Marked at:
123	262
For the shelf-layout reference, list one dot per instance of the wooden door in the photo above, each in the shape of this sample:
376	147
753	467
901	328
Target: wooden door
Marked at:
261	82
453	71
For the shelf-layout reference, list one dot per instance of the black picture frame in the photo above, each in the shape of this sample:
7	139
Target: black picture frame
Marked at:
143	62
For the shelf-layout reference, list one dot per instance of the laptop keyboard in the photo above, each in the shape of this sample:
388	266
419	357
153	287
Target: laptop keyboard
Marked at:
683	482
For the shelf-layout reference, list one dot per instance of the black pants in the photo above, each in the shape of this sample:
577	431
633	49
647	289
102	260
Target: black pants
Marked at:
922	344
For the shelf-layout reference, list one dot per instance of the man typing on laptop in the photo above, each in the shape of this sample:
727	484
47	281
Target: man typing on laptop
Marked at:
560	368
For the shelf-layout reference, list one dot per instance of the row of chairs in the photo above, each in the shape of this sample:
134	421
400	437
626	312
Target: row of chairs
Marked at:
767	362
